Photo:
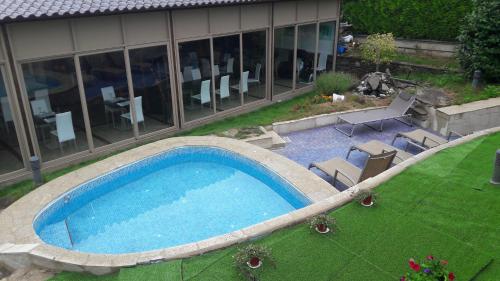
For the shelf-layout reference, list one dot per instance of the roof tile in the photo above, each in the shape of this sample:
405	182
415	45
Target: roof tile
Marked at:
26	9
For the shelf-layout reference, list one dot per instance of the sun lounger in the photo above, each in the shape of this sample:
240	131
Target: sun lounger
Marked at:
375	147
350	175
424	139
396	110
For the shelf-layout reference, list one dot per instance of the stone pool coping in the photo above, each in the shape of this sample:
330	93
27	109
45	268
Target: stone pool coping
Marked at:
21	246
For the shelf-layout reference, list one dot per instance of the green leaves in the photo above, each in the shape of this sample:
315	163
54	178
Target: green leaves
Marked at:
415	19
379	48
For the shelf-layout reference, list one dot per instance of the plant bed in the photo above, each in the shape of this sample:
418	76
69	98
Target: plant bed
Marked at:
322	223
366	198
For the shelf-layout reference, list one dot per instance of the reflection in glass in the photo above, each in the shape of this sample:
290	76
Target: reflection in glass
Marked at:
151	80
106	92
10	154
306	48
326	46
56	108
254	61
284	39
196	77
227	72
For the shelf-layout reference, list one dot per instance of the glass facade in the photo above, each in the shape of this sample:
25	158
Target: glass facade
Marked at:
56	107
196	79
254	61
326	47
227	72
306	48
10	154
151	82
284	42
106	92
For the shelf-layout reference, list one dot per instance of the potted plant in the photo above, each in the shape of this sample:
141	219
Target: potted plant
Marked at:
366	198
252	256
429	269
322	223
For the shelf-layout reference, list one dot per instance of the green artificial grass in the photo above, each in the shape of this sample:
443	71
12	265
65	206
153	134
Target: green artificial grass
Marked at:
444	206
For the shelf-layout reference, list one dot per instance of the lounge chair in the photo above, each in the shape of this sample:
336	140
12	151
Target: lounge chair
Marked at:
375	147
397	109
424	139
350	175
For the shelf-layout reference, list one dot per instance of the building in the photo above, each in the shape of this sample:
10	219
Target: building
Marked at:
74	76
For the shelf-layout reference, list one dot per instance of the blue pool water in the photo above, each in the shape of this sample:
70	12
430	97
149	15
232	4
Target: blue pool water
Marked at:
177	197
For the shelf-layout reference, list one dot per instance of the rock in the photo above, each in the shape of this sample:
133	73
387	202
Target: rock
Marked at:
432	96
374	82
385	88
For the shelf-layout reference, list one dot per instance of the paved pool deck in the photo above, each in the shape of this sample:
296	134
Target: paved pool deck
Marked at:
324	143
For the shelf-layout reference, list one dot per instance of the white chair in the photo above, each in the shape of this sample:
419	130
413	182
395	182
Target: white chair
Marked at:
109	95
322	62
64	129
40	107
243	83
187	74
223	92
6	113
139	114
204	96
196	74
43	94
230	66
256	78
216	70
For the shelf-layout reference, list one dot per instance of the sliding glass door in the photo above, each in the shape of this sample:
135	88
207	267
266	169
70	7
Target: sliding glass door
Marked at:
254	62
284	42
306	48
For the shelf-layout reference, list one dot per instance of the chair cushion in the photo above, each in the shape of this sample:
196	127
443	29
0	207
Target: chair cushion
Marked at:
329	167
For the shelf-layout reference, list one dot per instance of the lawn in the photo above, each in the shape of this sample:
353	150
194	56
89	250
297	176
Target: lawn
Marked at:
444	206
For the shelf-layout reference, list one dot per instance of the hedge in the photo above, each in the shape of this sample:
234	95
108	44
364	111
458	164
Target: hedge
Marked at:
413	19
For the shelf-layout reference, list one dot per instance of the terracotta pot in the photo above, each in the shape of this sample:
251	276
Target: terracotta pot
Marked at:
367	202
254	262
321	227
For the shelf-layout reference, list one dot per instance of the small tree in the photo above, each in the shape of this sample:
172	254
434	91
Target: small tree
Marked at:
480	40
378	48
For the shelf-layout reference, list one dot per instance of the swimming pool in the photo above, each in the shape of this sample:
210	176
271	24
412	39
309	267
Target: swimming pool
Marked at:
177	197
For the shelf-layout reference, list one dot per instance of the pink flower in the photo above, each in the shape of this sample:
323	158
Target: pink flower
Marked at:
430	258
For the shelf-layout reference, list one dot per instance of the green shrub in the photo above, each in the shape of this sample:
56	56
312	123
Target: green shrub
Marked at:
415	19
335	82
480	40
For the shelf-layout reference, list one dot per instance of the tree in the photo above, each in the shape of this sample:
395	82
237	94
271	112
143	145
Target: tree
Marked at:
480	40
378	48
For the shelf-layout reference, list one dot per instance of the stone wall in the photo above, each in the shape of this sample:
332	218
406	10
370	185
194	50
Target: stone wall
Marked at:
426	47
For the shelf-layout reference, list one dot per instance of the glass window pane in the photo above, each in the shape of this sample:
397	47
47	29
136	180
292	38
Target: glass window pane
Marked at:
151	80
284	41
326	45
56	108
106	92
227	72
10	153
254	61
196	75
306	48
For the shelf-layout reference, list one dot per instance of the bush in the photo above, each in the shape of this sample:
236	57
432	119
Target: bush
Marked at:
480	40
378	48
335	82
414	19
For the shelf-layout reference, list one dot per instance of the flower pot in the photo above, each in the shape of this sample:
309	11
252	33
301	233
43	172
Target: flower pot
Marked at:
367	202
322	228
254	263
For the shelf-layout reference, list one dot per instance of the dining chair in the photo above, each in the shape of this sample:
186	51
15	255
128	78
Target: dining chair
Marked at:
243	83
256	78
223	91
43	94
64	130
204	96
139	114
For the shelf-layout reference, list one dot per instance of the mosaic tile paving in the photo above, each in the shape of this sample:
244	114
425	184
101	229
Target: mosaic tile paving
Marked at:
320	144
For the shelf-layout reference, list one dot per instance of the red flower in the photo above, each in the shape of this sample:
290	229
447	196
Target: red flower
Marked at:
413	265
430	257
402	279
451	276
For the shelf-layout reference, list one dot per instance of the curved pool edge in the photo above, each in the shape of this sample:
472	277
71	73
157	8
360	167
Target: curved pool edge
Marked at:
20	246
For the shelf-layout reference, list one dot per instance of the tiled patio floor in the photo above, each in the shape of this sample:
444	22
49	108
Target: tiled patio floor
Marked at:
320	144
